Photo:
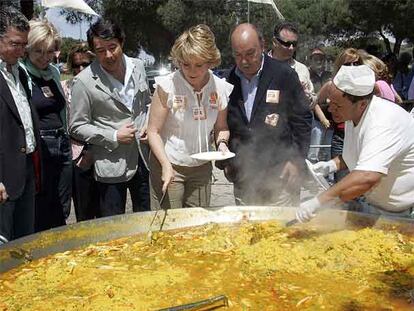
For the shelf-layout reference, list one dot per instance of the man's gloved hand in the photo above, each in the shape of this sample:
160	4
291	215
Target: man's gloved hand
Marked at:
307	210
325	167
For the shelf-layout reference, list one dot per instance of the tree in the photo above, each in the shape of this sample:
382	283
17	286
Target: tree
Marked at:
385	17
74	17
66	46
141	24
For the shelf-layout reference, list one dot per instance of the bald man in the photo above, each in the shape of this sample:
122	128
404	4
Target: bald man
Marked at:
269	121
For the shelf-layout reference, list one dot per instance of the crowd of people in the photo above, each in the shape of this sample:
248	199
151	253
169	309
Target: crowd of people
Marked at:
92	138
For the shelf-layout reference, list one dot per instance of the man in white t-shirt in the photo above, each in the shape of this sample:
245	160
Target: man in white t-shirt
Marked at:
284	44
378	149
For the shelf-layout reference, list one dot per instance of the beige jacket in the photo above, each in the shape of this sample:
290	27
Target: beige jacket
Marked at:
97	112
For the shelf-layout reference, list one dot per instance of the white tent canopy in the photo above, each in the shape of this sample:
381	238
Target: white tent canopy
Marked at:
76	5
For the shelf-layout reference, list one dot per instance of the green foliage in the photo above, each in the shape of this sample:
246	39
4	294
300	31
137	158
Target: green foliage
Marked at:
154	24
141	24
74	17
67	44
394	17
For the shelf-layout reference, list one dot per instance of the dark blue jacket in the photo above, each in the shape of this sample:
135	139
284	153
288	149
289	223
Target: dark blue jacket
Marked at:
13	139
257	144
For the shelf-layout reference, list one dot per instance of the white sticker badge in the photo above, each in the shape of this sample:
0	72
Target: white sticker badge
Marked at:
199	113
214	100
272	119
272	96
47	92
179	102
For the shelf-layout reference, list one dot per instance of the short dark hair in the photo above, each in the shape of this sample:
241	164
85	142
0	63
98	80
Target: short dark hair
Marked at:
354	99
11	17
106	30
285	25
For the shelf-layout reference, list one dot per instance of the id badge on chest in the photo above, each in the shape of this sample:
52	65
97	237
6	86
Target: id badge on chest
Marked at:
47	92
213	100
179	102
272	96
199	113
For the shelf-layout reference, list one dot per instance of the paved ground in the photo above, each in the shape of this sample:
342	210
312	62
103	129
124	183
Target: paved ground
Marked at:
221	194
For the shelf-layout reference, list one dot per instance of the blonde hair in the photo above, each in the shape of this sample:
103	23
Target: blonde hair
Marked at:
43	34
347	55
378	66
196	42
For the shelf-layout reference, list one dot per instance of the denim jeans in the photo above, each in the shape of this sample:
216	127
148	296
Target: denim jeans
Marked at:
113	195
336	150
361	205
320	136
53	201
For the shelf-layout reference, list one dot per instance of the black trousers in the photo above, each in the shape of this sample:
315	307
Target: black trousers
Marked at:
52	203
17	216
85	194
113	196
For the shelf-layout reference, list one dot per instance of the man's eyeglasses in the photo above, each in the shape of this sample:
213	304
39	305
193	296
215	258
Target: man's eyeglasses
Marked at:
77	66
14	44
286	43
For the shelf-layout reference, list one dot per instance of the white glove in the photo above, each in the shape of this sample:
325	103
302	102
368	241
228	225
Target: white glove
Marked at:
325	167
307	210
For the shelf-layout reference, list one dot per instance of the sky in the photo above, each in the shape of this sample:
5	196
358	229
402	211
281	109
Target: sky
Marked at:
67	30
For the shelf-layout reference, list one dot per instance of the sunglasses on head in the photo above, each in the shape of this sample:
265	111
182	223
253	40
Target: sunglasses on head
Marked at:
76	66
355	63
287	43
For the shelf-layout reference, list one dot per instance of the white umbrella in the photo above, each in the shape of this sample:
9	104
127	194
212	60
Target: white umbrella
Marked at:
271	2
76	5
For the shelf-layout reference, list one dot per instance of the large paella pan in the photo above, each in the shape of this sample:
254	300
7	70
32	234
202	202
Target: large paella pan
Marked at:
339	261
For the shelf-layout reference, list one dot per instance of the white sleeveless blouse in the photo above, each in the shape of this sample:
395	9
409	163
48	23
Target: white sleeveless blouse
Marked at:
183	135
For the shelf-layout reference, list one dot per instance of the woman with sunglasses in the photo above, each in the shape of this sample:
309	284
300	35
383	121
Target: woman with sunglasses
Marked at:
348	57
52	203
85	193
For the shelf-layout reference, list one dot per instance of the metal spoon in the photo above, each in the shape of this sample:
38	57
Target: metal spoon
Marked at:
156	213
208	304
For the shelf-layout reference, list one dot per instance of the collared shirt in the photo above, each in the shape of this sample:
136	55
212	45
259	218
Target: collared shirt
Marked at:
249	89
21	102
125	91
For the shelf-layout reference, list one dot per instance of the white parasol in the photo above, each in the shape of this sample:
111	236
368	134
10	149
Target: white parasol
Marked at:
76	5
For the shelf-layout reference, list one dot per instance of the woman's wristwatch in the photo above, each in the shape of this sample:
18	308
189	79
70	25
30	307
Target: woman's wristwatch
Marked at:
224	141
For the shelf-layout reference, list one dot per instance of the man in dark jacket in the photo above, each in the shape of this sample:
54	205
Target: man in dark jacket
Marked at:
269	121
18	131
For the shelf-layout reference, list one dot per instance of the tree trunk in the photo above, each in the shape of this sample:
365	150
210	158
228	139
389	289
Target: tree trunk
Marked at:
386	42
397	46
26	6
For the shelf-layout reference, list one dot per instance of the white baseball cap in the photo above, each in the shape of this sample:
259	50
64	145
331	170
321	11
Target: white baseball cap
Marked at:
355	80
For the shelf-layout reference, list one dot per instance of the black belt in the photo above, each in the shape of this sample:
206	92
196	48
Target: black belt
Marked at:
54	132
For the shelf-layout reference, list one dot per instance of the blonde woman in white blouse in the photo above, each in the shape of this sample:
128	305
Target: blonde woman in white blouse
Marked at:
187	105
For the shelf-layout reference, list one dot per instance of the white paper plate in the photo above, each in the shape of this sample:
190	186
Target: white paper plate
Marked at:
212	155
318	177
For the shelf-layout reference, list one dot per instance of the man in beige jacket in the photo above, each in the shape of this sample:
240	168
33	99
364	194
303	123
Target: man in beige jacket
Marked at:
108	111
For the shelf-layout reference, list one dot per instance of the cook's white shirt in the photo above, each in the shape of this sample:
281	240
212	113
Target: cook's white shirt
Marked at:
383	142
